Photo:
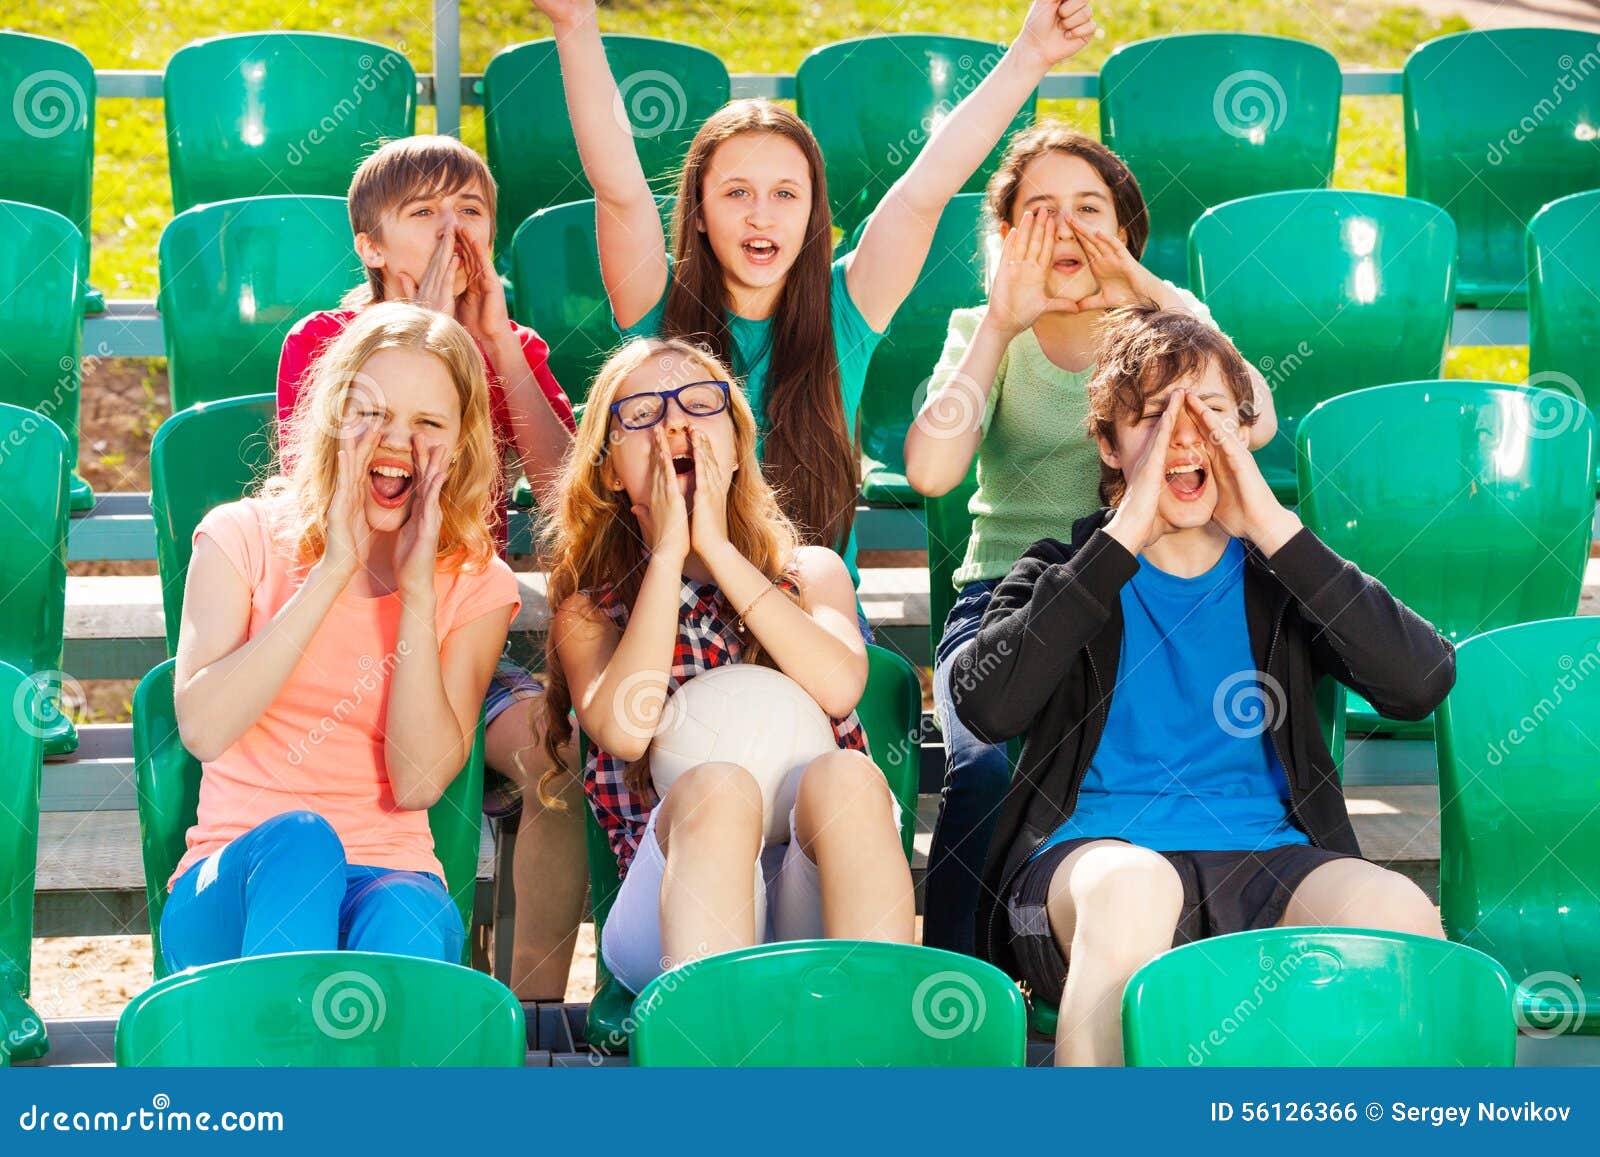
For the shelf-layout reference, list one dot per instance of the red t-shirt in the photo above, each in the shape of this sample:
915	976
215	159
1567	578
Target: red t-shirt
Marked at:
312	333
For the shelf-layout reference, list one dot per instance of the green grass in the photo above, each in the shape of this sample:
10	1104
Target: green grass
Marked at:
133	200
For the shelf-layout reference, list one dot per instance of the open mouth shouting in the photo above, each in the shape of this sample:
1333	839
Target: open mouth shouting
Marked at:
391	481
1067	264
1187	478
760	251
683	467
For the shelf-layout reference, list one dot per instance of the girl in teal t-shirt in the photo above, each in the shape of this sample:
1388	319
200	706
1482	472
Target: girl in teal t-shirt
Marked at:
752	273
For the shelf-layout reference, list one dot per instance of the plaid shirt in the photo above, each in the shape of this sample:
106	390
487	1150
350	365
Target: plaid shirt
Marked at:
707	639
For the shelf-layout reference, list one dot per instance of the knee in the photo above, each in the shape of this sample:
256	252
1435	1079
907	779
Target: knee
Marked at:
1125	900
414	915
845	778
1394	903
715	794
304	837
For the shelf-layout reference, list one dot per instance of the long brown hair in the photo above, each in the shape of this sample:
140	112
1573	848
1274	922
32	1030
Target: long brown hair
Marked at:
809	455
592	539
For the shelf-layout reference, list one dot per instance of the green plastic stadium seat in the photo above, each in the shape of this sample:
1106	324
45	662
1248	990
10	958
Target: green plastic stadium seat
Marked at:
22	1031
668	90
236	276
280	112
871	102
1319	997
200	458
47	131
555	265
1564	295
1471	501
891	714
33	571
1208	117
43	267
951	279
168	782
324	1010
1326	292
1499	124
1520	814
831	1003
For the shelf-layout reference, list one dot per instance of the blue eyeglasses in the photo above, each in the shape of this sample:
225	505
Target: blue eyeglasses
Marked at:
697	399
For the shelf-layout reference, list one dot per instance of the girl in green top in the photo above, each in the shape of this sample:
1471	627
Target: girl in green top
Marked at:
752	273
1010	390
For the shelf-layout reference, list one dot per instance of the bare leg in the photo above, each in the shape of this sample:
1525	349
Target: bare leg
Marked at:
1358	894
709	829
1113	907
549	865
844	820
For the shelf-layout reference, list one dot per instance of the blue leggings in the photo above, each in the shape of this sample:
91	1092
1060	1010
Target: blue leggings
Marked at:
975	781
284	886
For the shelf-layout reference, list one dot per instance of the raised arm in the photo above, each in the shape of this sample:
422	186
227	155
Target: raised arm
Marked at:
633	248
899	234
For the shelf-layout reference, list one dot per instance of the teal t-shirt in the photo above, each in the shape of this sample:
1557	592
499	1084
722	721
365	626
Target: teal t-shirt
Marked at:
853	340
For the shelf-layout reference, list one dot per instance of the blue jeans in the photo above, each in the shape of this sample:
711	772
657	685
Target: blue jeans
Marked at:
975	779
284	886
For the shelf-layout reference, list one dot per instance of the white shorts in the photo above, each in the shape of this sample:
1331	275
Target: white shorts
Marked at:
788	907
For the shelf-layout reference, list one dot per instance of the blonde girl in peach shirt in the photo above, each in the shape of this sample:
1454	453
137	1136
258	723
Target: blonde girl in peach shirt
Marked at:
339	630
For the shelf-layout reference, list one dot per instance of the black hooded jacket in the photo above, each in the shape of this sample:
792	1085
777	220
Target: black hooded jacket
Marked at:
1044	665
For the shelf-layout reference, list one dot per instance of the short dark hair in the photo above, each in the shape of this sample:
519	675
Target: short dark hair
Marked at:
1143	350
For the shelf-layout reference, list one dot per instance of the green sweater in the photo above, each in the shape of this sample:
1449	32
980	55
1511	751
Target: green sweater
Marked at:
1038	466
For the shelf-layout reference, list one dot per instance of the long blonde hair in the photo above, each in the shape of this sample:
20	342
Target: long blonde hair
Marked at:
304	488
592	538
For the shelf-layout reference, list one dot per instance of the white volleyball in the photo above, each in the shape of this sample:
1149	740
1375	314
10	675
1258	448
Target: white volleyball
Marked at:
752	716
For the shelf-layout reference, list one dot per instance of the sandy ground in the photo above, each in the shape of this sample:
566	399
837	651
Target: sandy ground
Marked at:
80	976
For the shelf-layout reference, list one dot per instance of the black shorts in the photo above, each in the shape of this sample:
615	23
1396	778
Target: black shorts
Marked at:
1222	892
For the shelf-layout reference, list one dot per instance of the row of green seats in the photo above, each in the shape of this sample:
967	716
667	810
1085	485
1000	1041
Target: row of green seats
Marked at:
1202	118
1374	306
1311	997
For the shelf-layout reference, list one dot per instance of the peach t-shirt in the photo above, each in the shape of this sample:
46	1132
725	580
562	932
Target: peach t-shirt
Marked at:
319	745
